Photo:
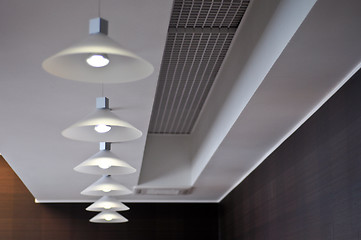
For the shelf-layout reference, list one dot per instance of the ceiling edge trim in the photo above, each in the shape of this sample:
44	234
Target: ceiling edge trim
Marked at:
129	201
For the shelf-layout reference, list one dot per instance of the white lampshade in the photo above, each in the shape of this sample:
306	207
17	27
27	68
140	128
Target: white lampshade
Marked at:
108	217
107	203
106	186
123	65
104	163
85	129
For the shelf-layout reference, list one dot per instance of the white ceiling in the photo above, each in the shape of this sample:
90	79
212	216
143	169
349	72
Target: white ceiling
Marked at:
286	59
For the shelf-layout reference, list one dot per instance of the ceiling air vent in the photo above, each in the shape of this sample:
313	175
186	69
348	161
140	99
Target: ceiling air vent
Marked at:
162	191
200	33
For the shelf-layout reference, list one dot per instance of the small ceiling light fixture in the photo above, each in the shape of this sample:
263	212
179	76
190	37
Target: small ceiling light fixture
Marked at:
102	126
98	59
108	217
106	186
107	203
105	163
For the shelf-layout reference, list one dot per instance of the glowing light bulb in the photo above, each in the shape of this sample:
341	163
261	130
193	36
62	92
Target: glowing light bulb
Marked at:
97	60
102	128
107	206
104	165
108	218
106	189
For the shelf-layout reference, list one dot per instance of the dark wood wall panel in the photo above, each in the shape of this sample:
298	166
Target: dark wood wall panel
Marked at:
21	218
310	187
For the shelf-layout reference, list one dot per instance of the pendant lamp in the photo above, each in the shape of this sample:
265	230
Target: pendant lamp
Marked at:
107	203
106	186
108	217
104	163
98	59
102	126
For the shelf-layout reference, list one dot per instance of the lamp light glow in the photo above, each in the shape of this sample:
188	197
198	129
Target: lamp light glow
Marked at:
102	128
104	165
107	206
107	203
106	186
108	217
106	189
73	62
97	60
101	121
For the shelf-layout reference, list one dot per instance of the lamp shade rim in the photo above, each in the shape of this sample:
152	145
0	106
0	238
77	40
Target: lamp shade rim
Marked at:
113	165
124	66
84	130
113	216
106	186
107	203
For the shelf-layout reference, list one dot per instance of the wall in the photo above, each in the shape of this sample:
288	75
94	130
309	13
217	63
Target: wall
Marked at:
21	218
310	187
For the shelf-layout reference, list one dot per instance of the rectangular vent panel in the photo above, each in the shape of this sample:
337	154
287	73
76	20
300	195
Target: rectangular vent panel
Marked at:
207	14
200	33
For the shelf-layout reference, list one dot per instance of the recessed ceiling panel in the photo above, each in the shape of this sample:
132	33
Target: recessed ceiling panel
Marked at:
199	35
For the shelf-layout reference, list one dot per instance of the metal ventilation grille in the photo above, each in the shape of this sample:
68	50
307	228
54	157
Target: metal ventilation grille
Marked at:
207	14
200	33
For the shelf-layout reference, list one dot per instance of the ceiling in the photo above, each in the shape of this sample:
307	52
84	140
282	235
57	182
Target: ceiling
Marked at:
272	66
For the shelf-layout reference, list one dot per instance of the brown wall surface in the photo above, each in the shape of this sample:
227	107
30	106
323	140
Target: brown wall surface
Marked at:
22	219
310	187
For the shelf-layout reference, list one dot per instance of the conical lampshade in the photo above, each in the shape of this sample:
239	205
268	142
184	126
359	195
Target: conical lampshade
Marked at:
123	66
85	130
104	163
108	217
107	203
106	186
